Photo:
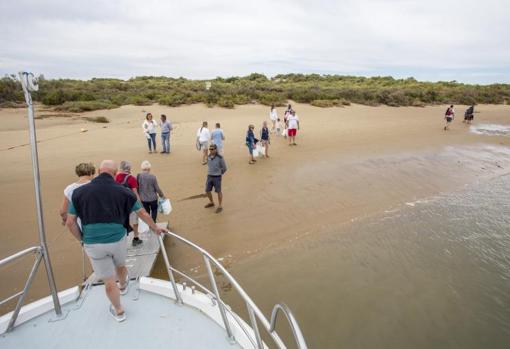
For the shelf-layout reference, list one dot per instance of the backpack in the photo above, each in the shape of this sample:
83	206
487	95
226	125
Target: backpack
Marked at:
448	111
125	182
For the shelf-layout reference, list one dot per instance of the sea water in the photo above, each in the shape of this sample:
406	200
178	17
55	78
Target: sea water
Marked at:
434	273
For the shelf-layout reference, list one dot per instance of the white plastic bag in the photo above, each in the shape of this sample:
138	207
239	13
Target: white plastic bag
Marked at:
260	150
255	152
142	226
164	206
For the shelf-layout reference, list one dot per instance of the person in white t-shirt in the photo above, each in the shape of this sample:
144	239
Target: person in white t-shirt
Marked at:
203	137
85	173
149	129
278	127
273	116
293	126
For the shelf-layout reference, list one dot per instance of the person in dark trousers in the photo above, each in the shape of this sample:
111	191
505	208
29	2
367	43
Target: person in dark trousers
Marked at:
216	168
264	138
149	190
103	207
469	114
251	143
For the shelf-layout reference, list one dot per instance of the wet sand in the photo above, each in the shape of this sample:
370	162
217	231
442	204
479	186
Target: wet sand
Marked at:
350	163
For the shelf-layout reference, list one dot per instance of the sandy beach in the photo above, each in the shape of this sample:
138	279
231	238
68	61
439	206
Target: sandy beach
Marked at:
349	163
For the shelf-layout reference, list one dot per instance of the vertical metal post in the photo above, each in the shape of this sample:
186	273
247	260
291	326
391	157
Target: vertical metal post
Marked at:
83	262
220	303
21	299
254	326
169	270
35	167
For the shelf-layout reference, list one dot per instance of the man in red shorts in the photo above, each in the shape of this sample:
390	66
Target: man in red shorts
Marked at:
293	126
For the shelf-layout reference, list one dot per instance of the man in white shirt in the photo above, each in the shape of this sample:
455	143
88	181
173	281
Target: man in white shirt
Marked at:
203	137
293	126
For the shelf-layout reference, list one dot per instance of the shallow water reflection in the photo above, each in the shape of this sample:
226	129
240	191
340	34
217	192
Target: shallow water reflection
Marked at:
435	274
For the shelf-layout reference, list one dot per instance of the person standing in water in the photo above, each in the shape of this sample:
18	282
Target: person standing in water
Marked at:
149	129
469	114
449	115
273	116
203	137
264	138
217	138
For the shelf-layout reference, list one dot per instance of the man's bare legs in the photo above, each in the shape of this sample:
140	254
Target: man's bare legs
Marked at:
209	195
220	199
112	290
113	294
204	156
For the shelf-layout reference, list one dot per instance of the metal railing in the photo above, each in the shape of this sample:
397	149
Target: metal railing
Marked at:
29	84
22	294
253	311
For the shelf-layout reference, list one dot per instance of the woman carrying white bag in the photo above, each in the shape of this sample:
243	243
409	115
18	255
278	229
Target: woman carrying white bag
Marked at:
149	190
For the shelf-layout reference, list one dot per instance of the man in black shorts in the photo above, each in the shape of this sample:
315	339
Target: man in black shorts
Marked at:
216	167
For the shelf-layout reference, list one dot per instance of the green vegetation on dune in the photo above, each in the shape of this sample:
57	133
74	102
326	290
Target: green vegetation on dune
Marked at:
318	90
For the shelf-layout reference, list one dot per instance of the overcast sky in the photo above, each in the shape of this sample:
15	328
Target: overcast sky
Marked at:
463	40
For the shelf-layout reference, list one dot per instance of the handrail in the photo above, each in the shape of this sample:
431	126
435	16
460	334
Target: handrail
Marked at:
28	283
296	331
253	310
19	254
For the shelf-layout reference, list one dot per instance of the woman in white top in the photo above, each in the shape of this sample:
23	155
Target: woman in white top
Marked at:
85	173
149	129
273	116
203	137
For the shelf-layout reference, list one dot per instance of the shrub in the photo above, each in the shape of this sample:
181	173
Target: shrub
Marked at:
12	104
138	100
98	119
81	106
270	98
324	103
226	102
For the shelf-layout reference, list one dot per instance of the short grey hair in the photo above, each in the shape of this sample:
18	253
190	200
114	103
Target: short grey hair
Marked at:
125	166
145	165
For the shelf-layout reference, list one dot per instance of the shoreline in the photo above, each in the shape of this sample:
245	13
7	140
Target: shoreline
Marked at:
349	162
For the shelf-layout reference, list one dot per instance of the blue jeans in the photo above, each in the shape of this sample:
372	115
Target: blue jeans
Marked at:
153	140
165	140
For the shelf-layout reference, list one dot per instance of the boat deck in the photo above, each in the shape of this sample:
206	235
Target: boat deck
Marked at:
87	324
140	259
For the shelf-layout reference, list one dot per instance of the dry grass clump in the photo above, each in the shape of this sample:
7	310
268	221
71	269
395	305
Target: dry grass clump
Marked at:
98	119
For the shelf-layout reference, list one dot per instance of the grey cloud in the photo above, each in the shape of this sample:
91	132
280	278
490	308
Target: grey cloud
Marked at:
202	39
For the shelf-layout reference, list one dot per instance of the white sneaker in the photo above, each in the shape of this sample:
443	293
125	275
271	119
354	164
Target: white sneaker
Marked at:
117	317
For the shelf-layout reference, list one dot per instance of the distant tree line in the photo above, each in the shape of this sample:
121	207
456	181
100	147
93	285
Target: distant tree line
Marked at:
319	90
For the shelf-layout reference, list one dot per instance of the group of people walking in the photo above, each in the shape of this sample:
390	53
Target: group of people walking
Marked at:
449	116
288	130
100	211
